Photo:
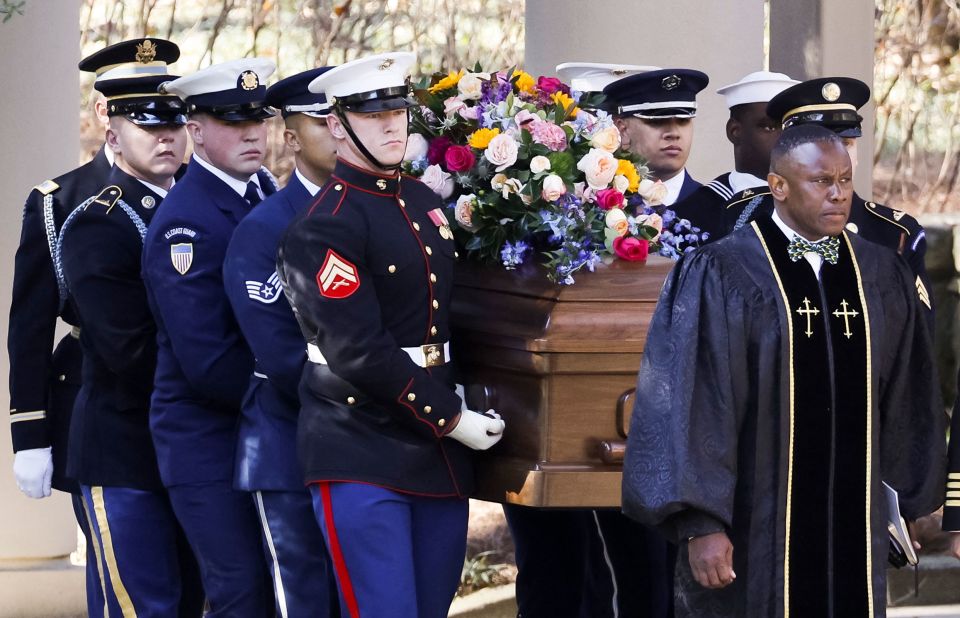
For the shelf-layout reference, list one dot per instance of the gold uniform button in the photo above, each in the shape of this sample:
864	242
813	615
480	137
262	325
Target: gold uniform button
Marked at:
427	409
351	400
433	331
402	203
391	269
62	378
416	226
337	187
428	250
441	422
411	396
436	305
456	254
433	278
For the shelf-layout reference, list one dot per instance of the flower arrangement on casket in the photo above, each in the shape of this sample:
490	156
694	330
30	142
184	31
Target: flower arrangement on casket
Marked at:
525	171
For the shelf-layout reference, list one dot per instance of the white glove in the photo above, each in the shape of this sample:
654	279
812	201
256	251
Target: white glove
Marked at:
478	431
33	469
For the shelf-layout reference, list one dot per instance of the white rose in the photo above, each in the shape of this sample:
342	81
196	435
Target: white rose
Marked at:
616	220
497	182
470	85
553	188
606	139
652	192
502	151
416	147
463	212
620	183
453	105
539	164
439	181
599	168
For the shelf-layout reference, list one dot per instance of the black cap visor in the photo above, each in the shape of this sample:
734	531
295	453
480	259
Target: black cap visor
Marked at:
153	112
843	122
241	112
382	100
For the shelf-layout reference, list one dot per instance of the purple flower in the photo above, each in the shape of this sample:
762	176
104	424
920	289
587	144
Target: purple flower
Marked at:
512	255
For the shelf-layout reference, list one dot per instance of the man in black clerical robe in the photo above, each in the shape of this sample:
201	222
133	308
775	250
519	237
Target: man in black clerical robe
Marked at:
787	373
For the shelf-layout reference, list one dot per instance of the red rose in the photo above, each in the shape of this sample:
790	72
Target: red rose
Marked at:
609	198
550	85
631	248
436	149
459	158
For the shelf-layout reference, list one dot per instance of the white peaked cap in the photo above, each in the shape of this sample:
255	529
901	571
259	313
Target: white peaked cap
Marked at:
757	87
594	76
222	77
367	74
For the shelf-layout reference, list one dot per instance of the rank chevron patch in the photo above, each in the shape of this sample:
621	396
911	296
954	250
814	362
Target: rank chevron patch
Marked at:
923	294
266	293
338	278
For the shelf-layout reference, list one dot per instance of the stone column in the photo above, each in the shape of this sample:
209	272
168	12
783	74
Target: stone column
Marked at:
722	38
39	51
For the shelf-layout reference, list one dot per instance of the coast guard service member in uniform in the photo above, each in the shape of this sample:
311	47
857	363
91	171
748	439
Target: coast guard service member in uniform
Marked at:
654	112
753	134
43	381
203	363
382	440
140	546
267	442
590	78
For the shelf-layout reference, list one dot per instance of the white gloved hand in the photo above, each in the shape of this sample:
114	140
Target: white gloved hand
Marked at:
478	431
461	393
33	469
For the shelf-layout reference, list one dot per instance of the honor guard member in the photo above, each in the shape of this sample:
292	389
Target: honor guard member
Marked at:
203	363
267	464
833	102
44	381
753	134
385	448
590	78
139	544
654	112
951	508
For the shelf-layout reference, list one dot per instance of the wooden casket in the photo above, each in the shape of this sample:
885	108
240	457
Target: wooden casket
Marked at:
559	363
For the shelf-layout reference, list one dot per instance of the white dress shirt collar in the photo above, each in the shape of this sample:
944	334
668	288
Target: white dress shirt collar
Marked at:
240	186
309	186
673	187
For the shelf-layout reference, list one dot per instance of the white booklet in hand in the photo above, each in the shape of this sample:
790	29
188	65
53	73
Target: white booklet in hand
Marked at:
897	527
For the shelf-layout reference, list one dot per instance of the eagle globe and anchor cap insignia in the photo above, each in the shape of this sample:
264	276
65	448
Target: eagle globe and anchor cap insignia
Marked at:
146	51
181	254
337	278
248	80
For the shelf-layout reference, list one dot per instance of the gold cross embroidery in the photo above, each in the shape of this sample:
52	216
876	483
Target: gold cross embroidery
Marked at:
846	315
808	312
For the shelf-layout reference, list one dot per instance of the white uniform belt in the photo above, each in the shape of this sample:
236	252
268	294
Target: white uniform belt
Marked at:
430	355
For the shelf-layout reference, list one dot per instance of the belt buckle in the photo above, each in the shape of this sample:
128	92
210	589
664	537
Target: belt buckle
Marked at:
433	355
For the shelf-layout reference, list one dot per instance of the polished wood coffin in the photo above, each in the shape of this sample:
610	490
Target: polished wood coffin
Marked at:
559	363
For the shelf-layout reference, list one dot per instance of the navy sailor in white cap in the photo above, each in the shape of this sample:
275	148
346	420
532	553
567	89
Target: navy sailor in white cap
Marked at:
203	361
384	443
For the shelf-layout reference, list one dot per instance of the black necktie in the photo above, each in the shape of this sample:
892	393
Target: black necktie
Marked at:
252	195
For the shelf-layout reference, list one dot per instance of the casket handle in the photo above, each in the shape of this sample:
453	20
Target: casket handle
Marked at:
612	451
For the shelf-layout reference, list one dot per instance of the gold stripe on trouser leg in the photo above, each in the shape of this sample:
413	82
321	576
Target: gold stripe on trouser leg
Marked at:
100	509
95	541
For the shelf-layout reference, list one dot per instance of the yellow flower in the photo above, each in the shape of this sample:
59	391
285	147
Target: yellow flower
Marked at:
629	171
525	81
450	81
567	102
480	138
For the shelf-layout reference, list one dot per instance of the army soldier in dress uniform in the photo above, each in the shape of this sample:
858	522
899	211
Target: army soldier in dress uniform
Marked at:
267	441
833	102
654	112
140	546
383	442
203	363
753	134
43	381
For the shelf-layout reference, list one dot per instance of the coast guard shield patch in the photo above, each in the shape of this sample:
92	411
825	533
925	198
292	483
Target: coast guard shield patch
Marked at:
338	278
181	254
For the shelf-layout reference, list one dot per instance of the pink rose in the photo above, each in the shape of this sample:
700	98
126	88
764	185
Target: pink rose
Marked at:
598	167
438	148
524	117
631	248
469	113
416	147
459	158
502	151
548	134
452	106
438	180
553	188
463	212
551	85
609	198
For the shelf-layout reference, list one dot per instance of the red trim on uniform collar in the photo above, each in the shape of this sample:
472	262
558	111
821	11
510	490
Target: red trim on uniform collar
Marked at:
371	182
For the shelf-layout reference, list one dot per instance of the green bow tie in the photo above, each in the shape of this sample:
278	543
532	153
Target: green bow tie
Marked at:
828	248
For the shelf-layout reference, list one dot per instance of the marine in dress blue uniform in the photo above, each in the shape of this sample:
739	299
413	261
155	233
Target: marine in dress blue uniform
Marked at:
147	565
203	363
382	439
654	111
753	134
267	439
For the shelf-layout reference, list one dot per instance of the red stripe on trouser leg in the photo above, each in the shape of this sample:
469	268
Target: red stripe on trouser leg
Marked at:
339	564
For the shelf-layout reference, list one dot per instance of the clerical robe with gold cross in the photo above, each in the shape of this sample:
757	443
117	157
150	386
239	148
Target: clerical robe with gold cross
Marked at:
771	405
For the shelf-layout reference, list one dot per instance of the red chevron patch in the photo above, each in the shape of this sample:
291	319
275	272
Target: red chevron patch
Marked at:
337	278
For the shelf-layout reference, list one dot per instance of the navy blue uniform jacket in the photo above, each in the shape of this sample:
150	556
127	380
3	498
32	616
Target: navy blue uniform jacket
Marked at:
267	439
368	273
203	362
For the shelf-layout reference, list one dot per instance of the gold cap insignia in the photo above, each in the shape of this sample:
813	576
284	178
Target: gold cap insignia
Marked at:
146	51
386	64
249	80
830	91
670	82
382	184
619	71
